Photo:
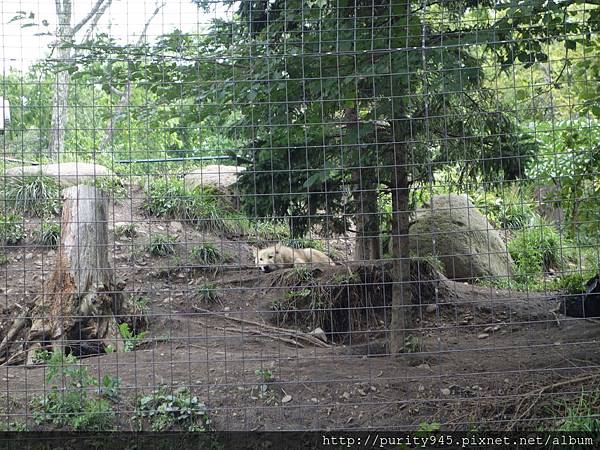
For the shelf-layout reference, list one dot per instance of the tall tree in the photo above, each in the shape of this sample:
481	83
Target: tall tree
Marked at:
355	96
63	48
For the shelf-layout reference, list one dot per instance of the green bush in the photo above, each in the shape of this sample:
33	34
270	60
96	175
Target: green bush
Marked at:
34	195
511	209
11	229
47	235
536	249
129	230
74	399
161	245
168	197
208	254
208	293
166	409
304	243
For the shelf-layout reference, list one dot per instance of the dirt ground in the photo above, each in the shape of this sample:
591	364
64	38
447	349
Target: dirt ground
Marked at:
485	357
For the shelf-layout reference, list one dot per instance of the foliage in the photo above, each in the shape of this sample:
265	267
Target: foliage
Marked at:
11	229
126	230
304	243
166	410
112	186
132	339
71	400
572	283
569	160
509	209
36	195
537	249
3	259
168	197
208	293
583	416
48	234
161	245
208	254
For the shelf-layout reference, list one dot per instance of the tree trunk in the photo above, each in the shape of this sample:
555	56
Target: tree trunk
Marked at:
401	289
81	299
367	245
59	110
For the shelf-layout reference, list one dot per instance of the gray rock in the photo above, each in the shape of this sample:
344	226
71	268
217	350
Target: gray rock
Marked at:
456	232
67	174
217	176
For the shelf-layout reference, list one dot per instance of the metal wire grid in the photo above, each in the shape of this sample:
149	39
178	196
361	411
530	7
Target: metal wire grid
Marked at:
242	347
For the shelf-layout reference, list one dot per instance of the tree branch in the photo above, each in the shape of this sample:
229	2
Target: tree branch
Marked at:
94	23
87	18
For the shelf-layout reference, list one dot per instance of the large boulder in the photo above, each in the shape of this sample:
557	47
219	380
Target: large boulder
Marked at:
218	177
67	174
215	176
454	230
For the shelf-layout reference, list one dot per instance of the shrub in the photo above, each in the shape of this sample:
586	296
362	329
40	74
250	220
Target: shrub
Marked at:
48	235
304	243
35	195
536	249
132	340
168	197
208	254
129	230
208	293
111	186
161	245
72	400
166	410
11	229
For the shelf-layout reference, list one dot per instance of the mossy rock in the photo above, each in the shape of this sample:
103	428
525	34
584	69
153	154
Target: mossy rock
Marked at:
460	236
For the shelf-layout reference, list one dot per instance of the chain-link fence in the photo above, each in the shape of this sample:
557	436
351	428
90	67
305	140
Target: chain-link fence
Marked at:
300	215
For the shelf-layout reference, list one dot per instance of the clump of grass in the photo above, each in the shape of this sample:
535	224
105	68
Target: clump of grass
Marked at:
35	195
161	245
583	416
112	186
208	293
536	249
127	230
3	259
208	254
511	209
165	409
11	229
572	283
47	235
168	197
304	243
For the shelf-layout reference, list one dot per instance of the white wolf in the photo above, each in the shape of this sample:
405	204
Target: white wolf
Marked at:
281	257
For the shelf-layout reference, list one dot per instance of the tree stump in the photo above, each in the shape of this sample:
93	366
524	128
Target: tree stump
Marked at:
80	301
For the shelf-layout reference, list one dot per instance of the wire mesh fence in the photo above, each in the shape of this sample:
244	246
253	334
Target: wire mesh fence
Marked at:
285	215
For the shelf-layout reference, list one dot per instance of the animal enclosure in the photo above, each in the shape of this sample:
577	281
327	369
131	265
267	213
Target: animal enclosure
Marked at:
300	215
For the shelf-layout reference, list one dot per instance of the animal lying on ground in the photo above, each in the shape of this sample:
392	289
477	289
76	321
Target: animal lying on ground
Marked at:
282	257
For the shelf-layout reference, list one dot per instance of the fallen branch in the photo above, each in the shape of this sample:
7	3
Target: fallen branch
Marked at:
284	331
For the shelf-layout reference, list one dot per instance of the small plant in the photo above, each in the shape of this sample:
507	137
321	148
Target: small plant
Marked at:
583	416
141	304
111	186
161	245
208	293
304	243
265	375
536	249
207	254
11	229
3	259
572	283
71	400
168	197
12	426
302	273
132	340
35	195
167	410
412	344
47	235
126	230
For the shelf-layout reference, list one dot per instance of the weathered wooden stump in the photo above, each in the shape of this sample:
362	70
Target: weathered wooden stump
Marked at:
80	301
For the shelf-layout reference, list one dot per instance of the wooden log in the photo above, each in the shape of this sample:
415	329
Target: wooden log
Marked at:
81	298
